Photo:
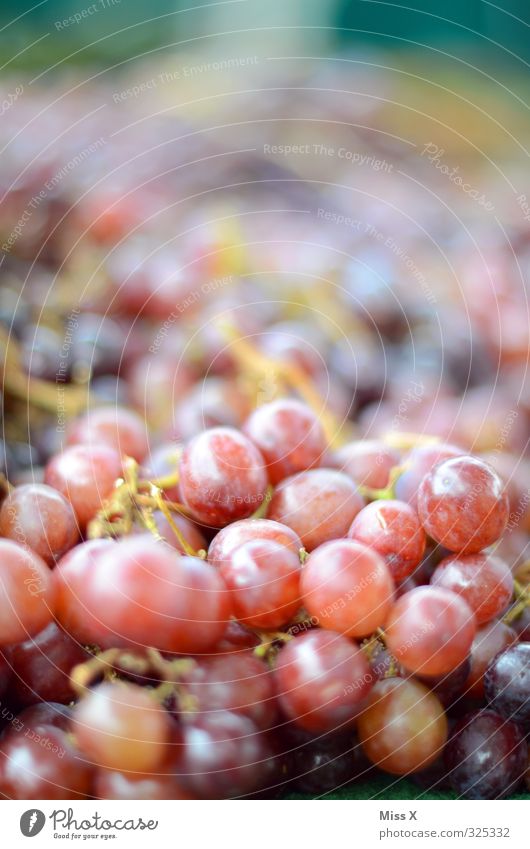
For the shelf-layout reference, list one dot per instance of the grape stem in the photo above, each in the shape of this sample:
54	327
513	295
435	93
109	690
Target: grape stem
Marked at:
388	492
522	601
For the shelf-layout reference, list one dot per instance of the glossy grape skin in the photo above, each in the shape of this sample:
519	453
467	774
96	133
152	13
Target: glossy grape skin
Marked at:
487	642
321	680
41	763
246	530
222	477
327	762
347	587
507	684
486	756
430	630
41	666
120	726
188	529
237	682
38	517
319	505
110	784
289	436
85	475
117	427
484	581
403	727
419	463
141	592
263	578
27	593
368	462
463	505
391	528
223	756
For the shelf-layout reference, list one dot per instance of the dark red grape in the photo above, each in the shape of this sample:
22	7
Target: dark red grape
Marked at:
487	642
507	683
486	756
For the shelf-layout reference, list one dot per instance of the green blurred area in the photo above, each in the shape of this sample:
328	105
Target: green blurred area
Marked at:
117	30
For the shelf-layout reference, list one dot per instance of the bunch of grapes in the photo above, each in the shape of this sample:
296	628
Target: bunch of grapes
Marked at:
240	556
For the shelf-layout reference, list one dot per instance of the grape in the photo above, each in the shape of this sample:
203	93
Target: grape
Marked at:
120	726
482	580
235	682
40	518
188	529
85	475
319	505
327	762
139	591
450	686
263	578
46	713
117	427
246	530
211	403
419	463
97	346
41	763
521	625
486	756
463	505
321	680
110	784
346	587
236	638
70	579
507	683
368	462
163	462
488	641
403	726
42	665
222	477
289	436
430	630
223	756
27	593
391	528
5	674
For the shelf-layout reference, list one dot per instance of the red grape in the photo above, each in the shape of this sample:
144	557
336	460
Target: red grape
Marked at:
430	630
403	726
42	665
486	756
139	591
41	763
40	518
507	684
246	530
321	680
487	642
120	726
319	505
368	462
124	786
483	580
418	463
391	528
85	475
289	436
118	427
222	477
346	587
463	504
264	581
27	593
